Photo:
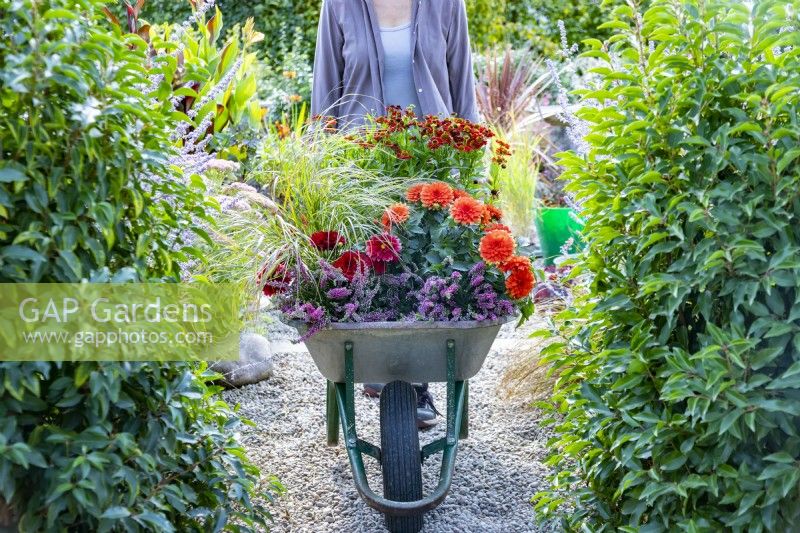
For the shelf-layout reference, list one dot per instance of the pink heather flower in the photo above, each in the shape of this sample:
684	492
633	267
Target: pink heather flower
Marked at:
339	293
384	247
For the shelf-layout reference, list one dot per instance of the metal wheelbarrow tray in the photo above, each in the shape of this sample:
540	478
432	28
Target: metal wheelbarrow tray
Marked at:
400	353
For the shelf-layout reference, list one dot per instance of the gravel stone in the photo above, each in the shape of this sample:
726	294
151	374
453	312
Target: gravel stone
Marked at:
498	468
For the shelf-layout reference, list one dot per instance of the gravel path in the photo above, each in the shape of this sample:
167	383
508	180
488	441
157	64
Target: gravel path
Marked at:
497	469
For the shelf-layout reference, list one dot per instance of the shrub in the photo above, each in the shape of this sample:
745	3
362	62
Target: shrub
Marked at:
86	194
214	87
678	401
285	85
274	18
534	22
486	22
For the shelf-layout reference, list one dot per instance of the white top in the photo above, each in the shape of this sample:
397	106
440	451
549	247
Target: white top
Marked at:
398	76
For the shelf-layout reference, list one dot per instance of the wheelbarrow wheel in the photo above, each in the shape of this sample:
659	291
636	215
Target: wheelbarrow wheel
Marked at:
400	455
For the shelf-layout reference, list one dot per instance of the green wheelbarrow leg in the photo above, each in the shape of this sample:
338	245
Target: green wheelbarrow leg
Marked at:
463	432
447	445
332	415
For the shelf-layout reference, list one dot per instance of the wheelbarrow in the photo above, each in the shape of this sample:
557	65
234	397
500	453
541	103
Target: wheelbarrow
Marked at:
399	354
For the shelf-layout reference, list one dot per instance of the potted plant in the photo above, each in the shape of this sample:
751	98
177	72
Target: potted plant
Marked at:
420	300
556	220
416	296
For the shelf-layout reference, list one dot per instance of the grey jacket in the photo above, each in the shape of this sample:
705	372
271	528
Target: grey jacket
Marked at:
349	58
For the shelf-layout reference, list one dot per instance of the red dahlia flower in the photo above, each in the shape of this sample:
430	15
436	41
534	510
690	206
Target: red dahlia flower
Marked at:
518	262
436	195
466	210
326	240
497	247
384	247
351	263
379	267
277	281
460	193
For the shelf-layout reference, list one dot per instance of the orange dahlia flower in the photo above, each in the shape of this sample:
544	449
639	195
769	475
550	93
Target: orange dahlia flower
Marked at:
412	194
460	193
497	247
436	195
496	226
520	283
394	214
466	210
491	214
518	262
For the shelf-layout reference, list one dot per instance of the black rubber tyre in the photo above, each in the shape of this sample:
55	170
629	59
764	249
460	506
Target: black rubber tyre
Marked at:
400	454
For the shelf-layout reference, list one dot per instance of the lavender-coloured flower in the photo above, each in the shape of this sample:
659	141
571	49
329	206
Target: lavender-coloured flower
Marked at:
425	307
349	311
338	293
477	270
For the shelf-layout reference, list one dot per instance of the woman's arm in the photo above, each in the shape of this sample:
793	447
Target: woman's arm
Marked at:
326	88
459	64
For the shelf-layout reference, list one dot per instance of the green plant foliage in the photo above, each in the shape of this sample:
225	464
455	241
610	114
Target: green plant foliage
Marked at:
517	181
84	183
285	87
300	183
678	400
86	193
197	71
486	22
535	22
274	18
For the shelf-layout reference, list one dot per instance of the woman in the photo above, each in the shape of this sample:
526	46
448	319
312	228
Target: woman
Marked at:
375	53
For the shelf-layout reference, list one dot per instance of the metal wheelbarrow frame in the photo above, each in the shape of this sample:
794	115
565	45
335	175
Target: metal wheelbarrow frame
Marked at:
381	352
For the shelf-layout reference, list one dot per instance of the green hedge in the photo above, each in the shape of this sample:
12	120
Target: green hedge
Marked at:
86	193
678	401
